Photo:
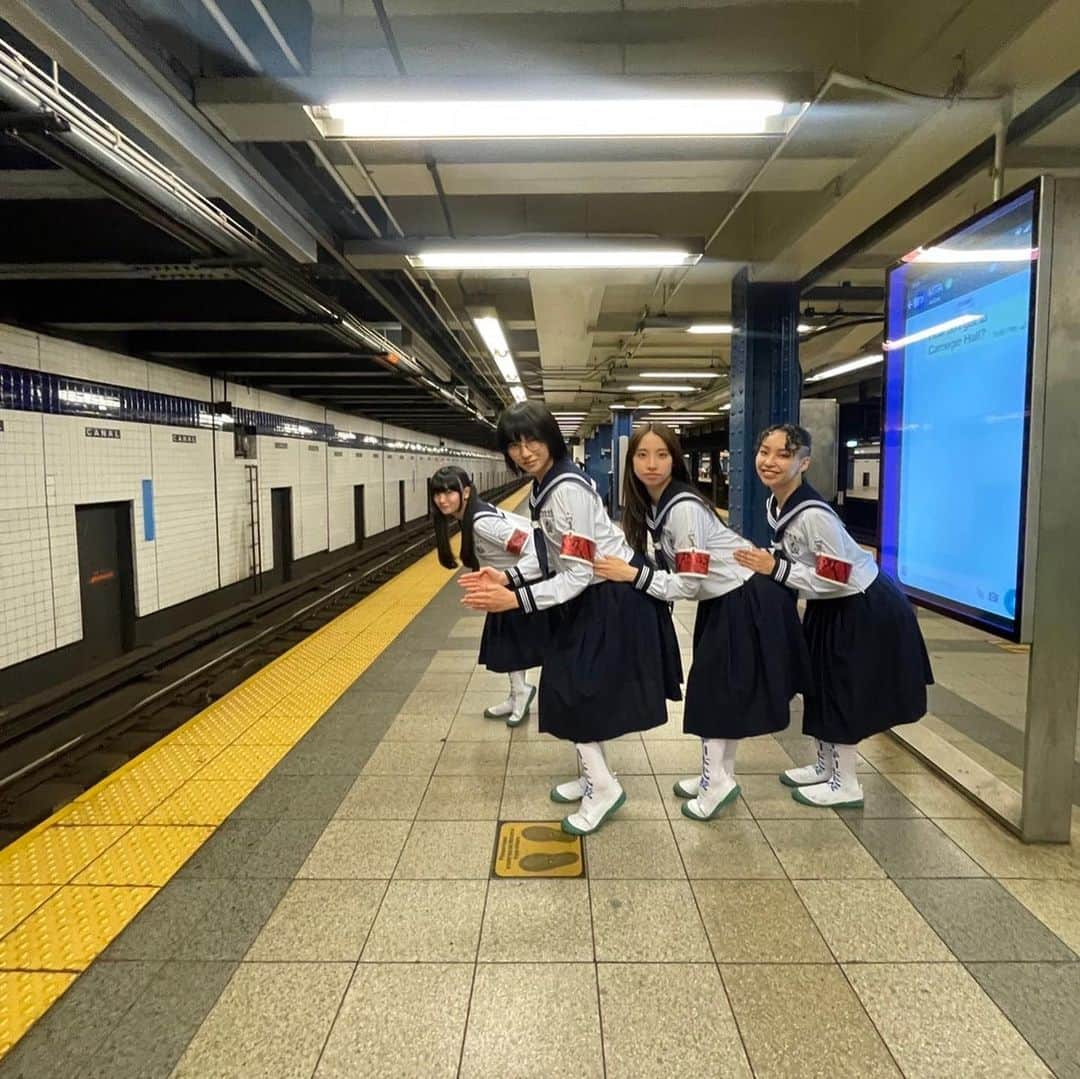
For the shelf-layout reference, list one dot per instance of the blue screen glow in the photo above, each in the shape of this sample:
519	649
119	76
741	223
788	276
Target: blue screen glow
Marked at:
957	378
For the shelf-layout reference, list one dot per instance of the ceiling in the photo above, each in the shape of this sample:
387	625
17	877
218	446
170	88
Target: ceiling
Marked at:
890	147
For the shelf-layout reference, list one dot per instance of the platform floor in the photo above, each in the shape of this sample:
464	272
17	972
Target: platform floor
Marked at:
342	920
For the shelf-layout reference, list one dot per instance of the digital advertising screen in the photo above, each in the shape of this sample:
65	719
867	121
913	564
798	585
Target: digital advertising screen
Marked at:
960	317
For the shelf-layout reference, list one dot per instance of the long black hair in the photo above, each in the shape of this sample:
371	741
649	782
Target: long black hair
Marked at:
636	501
452	478
529	420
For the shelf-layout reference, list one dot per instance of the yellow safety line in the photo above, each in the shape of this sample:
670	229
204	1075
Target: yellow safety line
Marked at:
71	885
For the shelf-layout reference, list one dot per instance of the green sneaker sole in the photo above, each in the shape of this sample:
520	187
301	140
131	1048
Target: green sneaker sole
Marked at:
568	827
727	800
855	803
791	782
557	797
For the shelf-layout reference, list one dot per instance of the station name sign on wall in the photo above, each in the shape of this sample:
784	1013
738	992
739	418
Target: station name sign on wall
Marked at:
102	432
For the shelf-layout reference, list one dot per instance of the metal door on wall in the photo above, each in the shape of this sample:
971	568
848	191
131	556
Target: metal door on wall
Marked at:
106	579
401	503
281	527
358	514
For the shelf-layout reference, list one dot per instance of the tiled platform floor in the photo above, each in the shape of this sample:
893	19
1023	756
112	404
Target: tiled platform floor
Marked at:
342	922
980	701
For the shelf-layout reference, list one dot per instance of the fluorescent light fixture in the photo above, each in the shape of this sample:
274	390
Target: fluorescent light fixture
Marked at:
518	392
646	388
491	331
845	368
613	118
711	327
678	374
932	331
948	256
805	328
726	408
99	401
851	443
583	258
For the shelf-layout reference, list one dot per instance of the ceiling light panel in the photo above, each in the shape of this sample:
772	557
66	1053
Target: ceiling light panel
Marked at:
578	258
598	118
845	368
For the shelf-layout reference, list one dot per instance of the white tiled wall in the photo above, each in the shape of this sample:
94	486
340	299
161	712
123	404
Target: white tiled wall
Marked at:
185	547
48	466
27	627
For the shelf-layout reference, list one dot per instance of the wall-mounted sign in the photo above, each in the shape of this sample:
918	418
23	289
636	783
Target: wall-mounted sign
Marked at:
313	449
102	432
338	453
281	445
187	439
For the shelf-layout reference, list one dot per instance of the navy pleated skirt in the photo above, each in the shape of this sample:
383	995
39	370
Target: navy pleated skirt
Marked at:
750	659
611	664
514	641
870	664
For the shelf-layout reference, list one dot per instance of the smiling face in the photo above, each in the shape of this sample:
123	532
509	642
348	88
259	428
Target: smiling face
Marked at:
450	503
531	455
652	463
780	465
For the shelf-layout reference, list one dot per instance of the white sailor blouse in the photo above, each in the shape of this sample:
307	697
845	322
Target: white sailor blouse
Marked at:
500	539
693	549
572	529
814	554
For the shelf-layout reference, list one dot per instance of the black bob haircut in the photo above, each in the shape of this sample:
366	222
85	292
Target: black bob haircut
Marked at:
533	421
452	478
798	438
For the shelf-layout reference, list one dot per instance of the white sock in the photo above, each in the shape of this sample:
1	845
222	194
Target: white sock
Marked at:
602	789
716	783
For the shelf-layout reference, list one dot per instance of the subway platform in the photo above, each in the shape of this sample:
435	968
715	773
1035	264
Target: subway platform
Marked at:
305	880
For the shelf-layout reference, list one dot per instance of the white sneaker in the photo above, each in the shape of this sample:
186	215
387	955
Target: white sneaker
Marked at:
710	803
687	788
497	711
809	774
596	807
847	795
521	707
573	790
842	790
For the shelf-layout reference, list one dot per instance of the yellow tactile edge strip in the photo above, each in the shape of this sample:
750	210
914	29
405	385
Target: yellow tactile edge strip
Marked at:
71	885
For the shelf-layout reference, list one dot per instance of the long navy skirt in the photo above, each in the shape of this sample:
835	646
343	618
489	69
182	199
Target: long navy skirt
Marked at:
514	641
870	664
612	661
750	659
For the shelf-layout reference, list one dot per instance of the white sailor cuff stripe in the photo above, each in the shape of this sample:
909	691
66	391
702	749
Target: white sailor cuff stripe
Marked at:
527	600
782	569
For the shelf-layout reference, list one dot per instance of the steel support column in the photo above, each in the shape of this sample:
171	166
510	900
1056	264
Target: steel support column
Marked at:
622	423
765	385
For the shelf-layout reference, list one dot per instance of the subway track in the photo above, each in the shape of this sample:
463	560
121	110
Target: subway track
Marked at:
54	752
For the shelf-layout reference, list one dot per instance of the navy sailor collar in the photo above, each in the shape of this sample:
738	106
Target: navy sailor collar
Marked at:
677	491
563	471
485	509
802	498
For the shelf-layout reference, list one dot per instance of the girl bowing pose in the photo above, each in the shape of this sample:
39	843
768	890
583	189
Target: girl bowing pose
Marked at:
869	661
511	643
613	656
749	654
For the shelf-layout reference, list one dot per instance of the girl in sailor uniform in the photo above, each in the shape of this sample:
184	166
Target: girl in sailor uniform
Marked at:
869	660
613	657
749	655
511	643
